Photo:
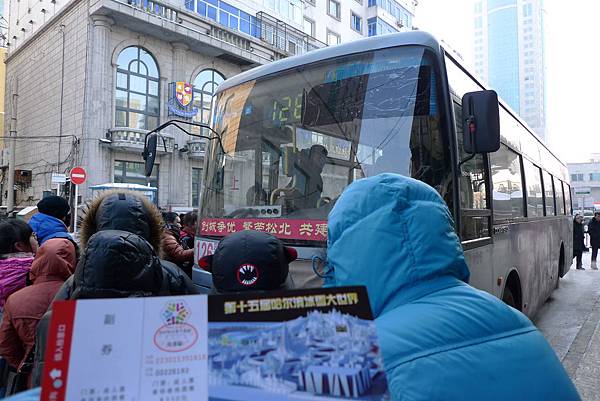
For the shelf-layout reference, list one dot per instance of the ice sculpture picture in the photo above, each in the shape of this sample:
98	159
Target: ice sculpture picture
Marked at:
310	352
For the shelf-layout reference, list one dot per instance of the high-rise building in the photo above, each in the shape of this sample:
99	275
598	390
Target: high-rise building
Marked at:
509	55
86	80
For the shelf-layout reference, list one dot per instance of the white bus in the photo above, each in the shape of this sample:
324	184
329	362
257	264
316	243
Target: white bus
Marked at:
295	133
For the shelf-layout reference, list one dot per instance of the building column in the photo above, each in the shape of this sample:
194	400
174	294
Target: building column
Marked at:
98	114
179	166
179	61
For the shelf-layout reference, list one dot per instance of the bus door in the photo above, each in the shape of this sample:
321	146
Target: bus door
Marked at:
475	212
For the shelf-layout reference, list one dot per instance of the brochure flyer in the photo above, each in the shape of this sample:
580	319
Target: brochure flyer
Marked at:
134	349
311	344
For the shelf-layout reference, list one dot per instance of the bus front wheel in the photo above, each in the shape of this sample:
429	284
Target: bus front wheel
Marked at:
508	298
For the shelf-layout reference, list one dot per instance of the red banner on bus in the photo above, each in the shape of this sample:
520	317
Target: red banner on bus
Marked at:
308	230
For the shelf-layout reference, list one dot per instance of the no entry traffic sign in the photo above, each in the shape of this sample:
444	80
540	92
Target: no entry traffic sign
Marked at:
78	175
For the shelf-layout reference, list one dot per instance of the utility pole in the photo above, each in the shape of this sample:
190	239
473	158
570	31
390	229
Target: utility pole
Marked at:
10	204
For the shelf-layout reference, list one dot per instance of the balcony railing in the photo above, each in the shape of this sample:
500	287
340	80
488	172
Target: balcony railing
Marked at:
131	139
155	8
284	36
197	148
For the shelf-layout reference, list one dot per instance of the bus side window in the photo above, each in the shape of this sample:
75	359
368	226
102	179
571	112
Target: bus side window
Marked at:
568	205
475	215
549	194
508	185
560	198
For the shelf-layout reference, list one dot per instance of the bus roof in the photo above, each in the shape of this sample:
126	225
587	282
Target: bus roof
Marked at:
358	46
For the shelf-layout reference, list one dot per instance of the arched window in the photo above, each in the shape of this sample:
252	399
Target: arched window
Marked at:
205	86
137	91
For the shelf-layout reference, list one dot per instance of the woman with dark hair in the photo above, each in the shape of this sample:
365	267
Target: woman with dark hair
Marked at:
172	248
17	248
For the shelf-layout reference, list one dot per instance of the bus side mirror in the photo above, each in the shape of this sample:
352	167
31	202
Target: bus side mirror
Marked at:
481	122
150	153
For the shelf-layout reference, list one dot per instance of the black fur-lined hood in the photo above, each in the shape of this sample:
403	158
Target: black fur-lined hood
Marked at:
126	211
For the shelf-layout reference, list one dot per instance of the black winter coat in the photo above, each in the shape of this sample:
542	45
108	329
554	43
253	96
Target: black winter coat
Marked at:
594	231
115	264
578	235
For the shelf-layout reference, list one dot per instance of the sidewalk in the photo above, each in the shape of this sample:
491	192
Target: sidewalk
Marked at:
570	320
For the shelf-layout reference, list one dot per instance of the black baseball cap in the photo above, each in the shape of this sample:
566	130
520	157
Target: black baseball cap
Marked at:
55	206
249	261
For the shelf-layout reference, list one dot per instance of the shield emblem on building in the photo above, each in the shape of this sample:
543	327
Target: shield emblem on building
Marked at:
184	93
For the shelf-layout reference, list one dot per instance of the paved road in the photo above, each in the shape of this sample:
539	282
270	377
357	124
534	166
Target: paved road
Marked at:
570	320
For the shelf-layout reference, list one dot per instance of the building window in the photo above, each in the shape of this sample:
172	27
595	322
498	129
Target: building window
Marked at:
196	186
227	15
478	22
205	86
334	9
527	9
133	173
333	38
378	27
137	90
309	27
594	177
356	22
478	7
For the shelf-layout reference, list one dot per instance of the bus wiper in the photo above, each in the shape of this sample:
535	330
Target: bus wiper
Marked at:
151	139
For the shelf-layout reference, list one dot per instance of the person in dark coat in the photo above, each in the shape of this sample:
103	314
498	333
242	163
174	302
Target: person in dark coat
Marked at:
578	240
594	232
121	237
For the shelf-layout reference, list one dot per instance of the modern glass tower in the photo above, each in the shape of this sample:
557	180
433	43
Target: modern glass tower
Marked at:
509	55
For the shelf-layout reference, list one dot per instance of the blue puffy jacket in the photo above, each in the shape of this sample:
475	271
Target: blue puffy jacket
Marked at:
441	339
47	227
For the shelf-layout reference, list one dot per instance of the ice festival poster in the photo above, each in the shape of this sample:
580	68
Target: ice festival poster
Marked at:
311	344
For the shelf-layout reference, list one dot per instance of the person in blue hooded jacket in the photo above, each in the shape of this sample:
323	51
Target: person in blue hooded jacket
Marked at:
52	220
441	339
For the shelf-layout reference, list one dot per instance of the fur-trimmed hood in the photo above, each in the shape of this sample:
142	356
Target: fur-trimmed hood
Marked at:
126	211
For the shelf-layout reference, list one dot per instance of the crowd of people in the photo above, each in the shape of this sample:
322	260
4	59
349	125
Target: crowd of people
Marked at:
440	338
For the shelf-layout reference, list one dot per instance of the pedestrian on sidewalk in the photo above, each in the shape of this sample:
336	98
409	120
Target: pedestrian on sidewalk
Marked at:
440	338
578	241
17	249
249	261
173	249
594	232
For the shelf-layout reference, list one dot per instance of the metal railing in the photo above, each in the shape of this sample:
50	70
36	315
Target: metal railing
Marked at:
155	8
132	138
284	36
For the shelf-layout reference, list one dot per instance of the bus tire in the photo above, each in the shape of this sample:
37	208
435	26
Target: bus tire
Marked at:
561	266
512	291
508	297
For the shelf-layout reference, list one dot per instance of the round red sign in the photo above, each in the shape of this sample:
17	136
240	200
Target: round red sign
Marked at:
78	175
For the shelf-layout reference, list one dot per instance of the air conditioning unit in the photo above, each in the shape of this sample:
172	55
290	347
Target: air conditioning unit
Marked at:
399	24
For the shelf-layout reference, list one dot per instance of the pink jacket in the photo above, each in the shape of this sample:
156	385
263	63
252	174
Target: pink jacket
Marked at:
13	274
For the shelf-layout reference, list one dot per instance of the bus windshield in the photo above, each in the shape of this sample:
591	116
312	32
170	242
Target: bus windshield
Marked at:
293	141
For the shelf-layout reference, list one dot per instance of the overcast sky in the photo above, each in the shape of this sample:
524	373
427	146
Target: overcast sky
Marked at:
572	65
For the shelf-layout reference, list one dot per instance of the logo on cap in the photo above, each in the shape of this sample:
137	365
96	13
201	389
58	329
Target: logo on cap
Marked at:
247	274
